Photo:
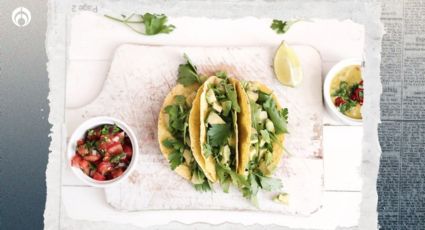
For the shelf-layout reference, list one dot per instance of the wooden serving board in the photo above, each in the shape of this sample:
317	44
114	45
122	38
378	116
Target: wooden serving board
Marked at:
139	79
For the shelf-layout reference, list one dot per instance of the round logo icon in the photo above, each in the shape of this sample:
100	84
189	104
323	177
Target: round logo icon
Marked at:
21	17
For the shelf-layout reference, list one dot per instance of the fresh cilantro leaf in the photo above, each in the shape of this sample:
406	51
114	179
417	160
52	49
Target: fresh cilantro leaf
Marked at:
347	106
187	73
218	134
250	191
221	74
153	23
268	183
156	23
172	144
204	187
104	130
116	129
231	94
279	122
117	158
280	26
175	159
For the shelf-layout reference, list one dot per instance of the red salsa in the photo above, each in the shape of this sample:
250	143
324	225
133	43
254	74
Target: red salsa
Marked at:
104	153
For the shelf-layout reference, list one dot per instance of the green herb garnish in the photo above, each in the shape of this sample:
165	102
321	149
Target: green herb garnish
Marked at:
153	23
218	134
278	117
188	74
280	26
117	158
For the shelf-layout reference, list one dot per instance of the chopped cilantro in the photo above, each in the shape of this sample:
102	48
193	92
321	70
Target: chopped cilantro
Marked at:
117	158
187	73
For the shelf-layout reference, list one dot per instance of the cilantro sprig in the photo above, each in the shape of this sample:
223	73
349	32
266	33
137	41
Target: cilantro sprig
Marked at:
278	117
188	73
153	23
281	26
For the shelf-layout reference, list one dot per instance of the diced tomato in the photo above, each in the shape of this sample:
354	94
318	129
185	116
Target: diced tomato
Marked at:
115	148
106	157
128	150
80	142
357	95
85	166
92	157
118	137
104	167
117	172
82	150
361	82
339	101
103	146
75	162
98	176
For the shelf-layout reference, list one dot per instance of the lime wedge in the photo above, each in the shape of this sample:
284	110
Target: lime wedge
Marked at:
287	66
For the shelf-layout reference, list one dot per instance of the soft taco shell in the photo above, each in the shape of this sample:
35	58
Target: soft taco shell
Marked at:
195	137
245	132
189	92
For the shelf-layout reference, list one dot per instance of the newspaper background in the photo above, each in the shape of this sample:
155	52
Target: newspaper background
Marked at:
364	12
401	181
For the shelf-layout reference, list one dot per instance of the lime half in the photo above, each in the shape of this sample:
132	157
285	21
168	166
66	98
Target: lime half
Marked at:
287	66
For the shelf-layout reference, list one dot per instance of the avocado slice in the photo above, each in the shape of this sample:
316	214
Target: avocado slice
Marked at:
214	119
210	96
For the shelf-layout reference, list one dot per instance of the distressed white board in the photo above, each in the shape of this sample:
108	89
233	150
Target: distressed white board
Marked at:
138	81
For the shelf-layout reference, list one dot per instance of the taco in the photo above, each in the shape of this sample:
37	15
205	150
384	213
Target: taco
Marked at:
218	129
262	132
173	135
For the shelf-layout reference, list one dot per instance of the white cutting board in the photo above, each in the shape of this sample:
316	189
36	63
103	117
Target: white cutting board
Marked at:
138	81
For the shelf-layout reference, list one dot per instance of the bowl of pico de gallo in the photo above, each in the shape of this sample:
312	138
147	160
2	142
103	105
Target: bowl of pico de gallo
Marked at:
102	151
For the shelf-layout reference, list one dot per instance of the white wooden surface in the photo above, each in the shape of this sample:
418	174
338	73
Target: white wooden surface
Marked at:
96	39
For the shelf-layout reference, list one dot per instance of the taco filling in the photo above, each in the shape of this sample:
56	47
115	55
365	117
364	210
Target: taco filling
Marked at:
219	122
181	154
268	126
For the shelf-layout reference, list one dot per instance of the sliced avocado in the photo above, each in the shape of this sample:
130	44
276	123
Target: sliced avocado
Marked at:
254	136
253	96
270	126
261	115
227	106
252	87
210	96
225	153
268	157
214	119
217	107
252	152
187	155
197	179
281	198
262	142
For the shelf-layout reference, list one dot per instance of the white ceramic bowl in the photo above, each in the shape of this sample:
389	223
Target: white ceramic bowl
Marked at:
79	134
331	108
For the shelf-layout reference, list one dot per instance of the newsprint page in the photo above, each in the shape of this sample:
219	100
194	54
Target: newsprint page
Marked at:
401	180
